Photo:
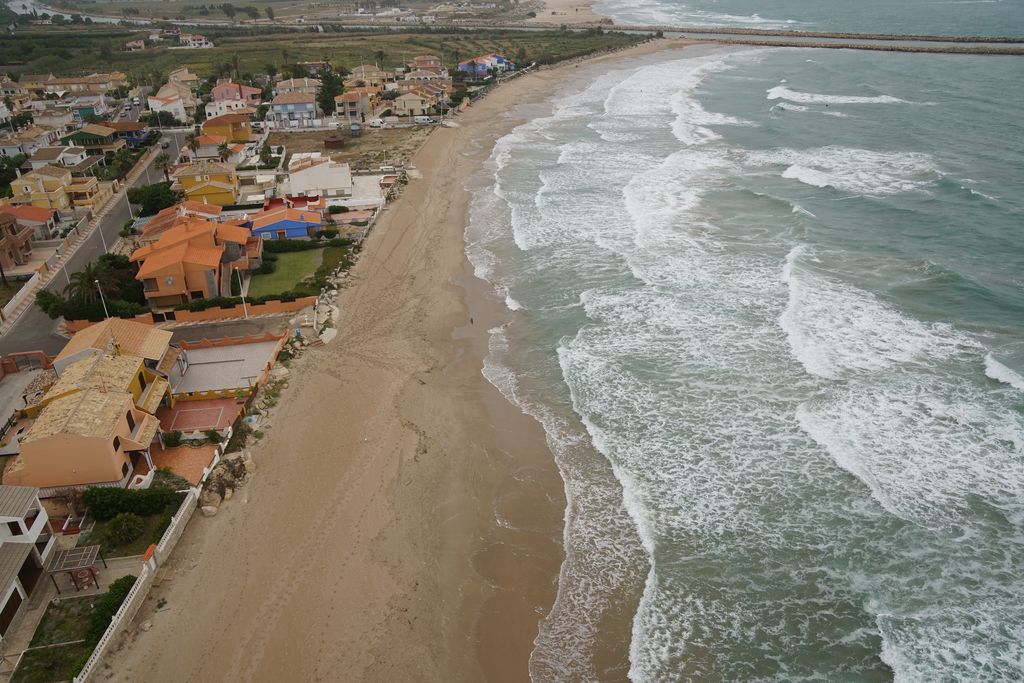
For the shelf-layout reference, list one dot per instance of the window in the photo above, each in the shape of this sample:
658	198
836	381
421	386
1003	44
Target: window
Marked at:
128	416
125	470
14	528
117	443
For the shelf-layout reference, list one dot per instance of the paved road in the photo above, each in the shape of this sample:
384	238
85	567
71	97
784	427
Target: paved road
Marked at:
34	329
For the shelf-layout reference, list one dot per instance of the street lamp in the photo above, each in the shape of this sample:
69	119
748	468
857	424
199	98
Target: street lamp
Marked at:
99	229
102	300
130	214
241	292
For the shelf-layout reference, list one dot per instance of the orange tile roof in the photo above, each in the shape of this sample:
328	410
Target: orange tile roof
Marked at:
232	233
209	139
132	337
158	260
203	256
30	213
224	119
265	218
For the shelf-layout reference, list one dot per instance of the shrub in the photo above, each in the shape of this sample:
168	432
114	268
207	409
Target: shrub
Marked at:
124	528
106	607
106	503
337	209
267	267
212	435
329	233
172	439
286	246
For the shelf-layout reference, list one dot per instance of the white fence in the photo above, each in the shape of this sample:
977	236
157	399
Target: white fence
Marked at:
133	602
28	289
137	595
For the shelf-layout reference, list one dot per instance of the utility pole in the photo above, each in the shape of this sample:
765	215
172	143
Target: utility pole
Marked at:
102	300
241	291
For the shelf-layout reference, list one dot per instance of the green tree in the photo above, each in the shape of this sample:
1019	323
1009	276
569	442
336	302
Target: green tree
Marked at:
228	9
124	528
152	198
192	141
223	151
331	87
82	286
265	154
162	163
270	13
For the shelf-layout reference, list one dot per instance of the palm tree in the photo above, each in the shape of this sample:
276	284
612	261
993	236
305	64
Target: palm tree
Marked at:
192	142
83	283
163	163
223	151
380	59
234	64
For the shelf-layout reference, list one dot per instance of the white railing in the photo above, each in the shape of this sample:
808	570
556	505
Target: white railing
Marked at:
28	289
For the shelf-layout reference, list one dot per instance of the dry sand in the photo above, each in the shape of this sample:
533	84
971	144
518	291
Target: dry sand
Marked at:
366	547
568	12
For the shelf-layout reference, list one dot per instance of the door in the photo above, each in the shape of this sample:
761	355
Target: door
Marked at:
9	611
29	574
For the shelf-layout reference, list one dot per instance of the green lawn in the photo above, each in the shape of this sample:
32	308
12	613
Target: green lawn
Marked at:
51	664
7	293
291	269
149	535
64	622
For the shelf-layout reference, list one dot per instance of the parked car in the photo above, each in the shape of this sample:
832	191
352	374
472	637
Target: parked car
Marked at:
165	144
375	123
423	120
136	101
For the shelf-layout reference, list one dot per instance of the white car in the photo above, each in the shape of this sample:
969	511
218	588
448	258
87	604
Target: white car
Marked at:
423	120
375	123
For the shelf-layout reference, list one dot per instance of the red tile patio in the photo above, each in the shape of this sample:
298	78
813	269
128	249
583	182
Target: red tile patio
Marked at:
199	416
185	461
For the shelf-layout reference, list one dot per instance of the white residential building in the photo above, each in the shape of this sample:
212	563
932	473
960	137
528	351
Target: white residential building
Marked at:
26	542
313	175
222	107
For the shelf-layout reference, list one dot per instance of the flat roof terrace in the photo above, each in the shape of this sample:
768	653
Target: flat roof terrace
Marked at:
238	366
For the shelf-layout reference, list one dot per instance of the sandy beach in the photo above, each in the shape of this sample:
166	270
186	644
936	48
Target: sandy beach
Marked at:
366	547
568	12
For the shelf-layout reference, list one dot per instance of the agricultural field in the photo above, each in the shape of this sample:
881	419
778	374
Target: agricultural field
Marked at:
87	48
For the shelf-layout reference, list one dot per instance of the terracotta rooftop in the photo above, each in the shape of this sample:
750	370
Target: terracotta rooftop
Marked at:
97	372
24	212
93	413
131	337
293	98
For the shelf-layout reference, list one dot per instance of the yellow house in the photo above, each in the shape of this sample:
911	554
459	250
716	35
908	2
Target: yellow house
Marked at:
94	425
208	182
90	194
45	187
53	187
109	371
234	127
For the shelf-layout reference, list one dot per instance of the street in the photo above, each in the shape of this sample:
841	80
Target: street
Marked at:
34	330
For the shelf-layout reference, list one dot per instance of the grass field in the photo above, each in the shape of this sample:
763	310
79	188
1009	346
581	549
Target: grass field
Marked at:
62	623
7	293
136	547
83	49
292	268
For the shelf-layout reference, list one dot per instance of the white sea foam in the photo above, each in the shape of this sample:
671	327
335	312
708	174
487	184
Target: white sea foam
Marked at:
859	171
999	372
781	92
836	330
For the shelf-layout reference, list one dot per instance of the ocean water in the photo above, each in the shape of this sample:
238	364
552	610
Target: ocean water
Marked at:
769	306
940	17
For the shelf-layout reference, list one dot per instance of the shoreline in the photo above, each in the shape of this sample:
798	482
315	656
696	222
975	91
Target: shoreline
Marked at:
368	541
570	12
